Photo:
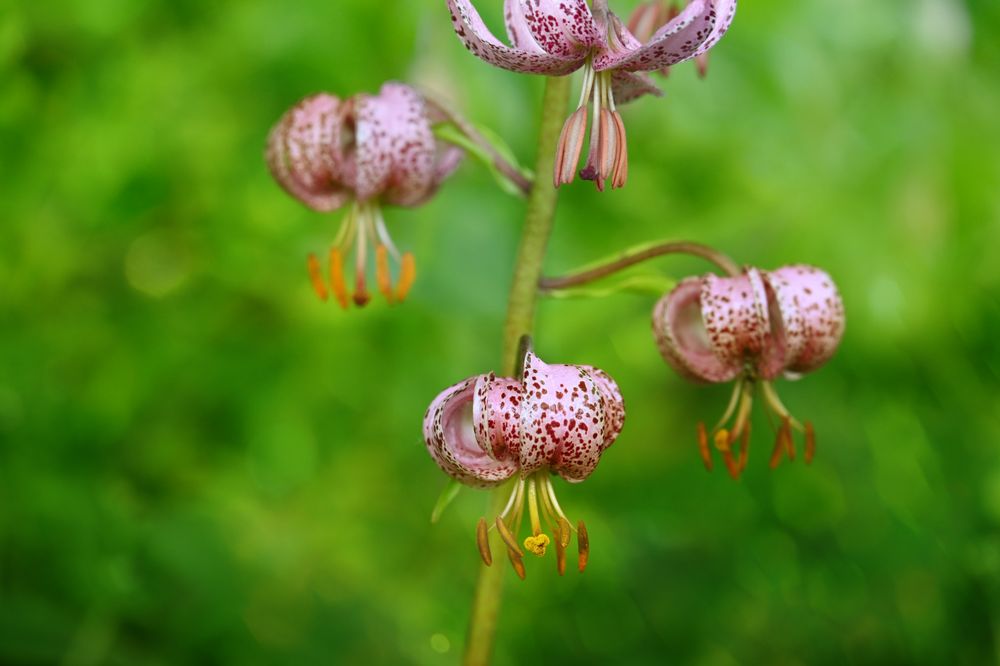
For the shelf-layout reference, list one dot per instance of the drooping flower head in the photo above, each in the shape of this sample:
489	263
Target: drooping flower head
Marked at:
750	329
365	151
557	37
554	419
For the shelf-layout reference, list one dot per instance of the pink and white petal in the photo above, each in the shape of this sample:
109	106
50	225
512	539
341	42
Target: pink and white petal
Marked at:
562	27
683	338
451	441
676	41
734	310
296	153
480	41
813	314
395	146
614	404
517	27
448	159
627	86
496	416
725	10
562	419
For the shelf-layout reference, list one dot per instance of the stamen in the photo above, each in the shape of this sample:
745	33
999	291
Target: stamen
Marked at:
361	295
508	538
552	498
516	500
620	173
789	442
483	541
517	563
583	546
337	277
810	442
383	233
382	275
734	399
407	275
779	444
316	277
608	152
562	541
745	447
722	440
706	453
569	147
732	464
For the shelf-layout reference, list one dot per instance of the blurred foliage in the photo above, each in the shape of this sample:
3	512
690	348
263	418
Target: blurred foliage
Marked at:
199	463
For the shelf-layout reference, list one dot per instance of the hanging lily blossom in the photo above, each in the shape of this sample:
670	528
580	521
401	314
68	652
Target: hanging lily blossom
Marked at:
557	37
750	329
365	151
555	419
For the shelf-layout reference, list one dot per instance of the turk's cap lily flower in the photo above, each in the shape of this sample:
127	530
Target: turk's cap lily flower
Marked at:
366	151
751	328
557	37
554	419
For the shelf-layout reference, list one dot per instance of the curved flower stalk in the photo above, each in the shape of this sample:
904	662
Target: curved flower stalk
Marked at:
557	37
365	151
749	329
555	419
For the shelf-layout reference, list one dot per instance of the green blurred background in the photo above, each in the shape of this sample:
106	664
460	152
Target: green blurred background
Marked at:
200	463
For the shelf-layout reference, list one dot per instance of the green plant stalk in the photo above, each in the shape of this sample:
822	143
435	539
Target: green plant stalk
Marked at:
520	321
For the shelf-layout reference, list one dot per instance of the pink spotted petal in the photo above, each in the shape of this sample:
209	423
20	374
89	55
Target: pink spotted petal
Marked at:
496	416
614	404
562	419
299	155
517	27
562	27
683	338
725	10
812	313
676	41
736	317
480	41
395	146
627	86
451	440
448	159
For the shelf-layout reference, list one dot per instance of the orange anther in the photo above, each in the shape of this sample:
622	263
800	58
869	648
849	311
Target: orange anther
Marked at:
407	274
382	274
337	277
517	563
706	453
508	538
745	444
483	541
620	172
583	546
779	447
316	277
810	442
789	441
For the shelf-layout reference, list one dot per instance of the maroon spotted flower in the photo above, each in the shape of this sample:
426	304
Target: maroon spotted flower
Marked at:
750	329
557	37
366	151
555	419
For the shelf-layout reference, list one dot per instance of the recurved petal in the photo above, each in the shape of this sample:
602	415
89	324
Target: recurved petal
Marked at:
480	41
812	313
451	440
683	338
614	404
725	10
395	146
676	41
517	27
562	419
562	27
627	86
734	310
496	416
299	152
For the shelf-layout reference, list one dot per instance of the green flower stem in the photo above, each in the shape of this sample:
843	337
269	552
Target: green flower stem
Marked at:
520	321
636	256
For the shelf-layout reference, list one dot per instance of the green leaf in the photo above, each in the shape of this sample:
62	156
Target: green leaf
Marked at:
451	134
447	495
644	285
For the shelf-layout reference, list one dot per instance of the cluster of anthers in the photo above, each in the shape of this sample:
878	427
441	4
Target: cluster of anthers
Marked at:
365	151
557	37
750	329
551	419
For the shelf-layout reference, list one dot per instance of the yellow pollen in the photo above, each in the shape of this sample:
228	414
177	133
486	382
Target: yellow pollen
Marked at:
537	544
722	440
